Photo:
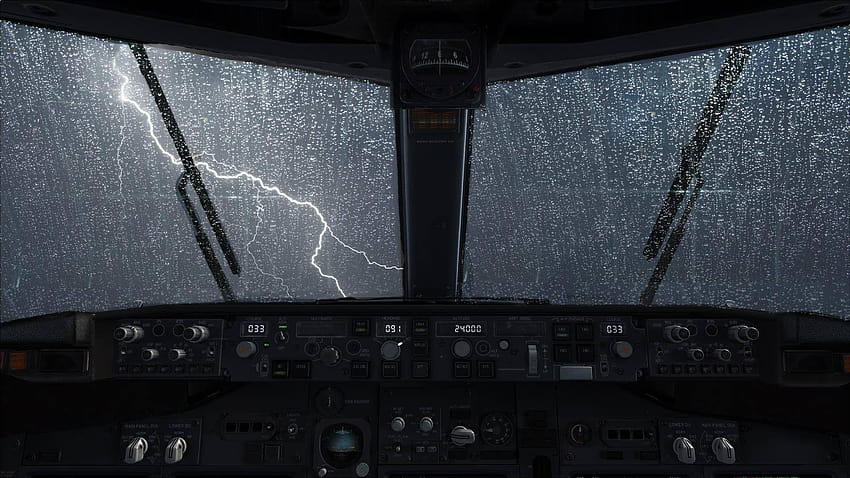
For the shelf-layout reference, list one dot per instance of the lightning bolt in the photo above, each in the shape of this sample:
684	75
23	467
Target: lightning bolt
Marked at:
259	184
260	209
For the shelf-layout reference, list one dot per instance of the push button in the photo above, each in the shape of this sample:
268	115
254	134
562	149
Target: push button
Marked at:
420	348
361	327
585	353
421	369
584	332
360	369
389	369
563	353
461	369
280	368
420	328
486	369
562	331
301	369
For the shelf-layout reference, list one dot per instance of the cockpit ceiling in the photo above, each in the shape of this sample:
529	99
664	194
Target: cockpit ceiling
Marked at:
525	37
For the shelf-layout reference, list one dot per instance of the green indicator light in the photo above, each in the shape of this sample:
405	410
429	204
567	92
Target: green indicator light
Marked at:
282	326
266	344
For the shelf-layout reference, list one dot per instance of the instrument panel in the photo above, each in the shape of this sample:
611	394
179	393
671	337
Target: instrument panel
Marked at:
437	348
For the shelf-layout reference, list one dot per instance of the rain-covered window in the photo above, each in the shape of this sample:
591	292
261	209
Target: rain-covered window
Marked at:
300	167
570	171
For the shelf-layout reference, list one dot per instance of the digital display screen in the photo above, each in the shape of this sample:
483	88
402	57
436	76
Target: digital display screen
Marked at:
253	328
391	328
519	328
612	328
321	328
454	329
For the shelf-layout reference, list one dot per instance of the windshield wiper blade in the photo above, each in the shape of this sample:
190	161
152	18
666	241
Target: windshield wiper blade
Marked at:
192	174
692	154
203	241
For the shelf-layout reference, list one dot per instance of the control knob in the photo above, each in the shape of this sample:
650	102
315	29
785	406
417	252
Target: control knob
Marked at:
676	333
149	354
246	349
196	333
723	450
461	348
330	356
426	424
322	472
622	349
743	333
176	354
723	354
462	436
684	450
174	450
397	424
390	350
135	451
128	333
697	355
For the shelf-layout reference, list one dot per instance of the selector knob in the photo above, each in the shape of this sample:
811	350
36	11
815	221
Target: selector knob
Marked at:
196	333
723	450
684	450
149	354
676	333
135	451
246	349
623	349
743	333
390	350
723	354
322	472
697	355
462	436
330	356
128	333
426	424
176	354
174	450
461	348
397	424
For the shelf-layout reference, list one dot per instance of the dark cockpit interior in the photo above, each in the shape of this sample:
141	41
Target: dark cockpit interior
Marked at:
425	239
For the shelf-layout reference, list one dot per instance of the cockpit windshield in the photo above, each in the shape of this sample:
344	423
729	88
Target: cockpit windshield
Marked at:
569	173
300	167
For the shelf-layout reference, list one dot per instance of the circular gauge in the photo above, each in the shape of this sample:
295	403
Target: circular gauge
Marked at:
497	429
437	57
341	445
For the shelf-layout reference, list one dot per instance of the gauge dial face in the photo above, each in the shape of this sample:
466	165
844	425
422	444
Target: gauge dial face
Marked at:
342	445
440	68
437	57
497	429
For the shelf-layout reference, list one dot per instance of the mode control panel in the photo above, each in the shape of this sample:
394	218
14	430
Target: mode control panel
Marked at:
440	348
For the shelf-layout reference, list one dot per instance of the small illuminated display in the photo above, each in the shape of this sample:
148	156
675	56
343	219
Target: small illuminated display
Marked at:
391	328
453	329
253	329
613	328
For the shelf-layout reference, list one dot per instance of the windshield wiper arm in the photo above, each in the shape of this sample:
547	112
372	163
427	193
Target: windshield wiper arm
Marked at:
190	174
692	154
